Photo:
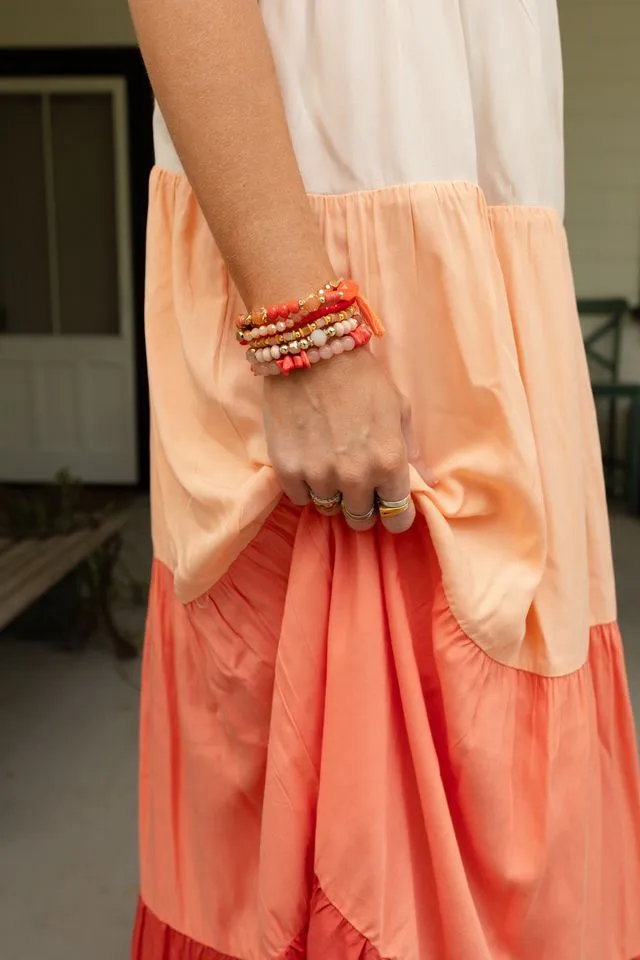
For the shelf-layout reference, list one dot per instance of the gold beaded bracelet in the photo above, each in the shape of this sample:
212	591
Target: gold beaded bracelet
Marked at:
309	304
290	335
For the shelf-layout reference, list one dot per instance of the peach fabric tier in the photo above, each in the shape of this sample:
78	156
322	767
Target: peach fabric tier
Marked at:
331	769
483	339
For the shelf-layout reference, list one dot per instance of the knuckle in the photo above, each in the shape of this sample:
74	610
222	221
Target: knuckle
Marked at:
392	461
319	478
287	471
354	476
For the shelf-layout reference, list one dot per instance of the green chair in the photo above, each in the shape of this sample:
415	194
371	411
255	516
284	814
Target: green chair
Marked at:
612	312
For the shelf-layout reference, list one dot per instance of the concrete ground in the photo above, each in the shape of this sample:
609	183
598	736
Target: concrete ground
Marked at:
68	876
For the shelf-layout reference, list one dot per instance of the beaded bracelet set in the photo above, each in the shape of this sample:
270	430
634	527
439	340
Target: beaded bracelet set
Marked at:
292	336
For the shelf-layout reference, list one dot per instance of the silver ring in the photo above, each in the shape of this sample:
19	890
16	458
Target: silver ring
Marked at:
358	517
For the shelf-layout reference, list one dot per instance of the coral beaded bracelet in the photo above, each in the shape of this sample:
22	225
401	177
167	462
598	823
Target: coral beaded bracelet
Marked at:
330	294
334	296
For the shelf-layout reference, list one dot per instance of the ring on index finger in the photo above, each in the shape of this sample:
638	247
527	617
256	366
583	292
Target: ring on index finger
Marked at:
393	508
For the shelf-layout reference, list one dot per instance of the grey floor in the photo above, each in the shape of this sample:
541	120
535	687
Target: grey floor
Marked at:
68	880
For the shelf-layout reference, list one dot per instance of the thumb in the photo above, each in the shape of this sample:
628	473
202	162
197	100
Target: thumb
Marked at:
414	455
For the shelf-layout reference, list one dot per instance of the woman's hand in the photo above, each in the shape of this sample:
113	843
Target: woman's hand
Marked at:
342	427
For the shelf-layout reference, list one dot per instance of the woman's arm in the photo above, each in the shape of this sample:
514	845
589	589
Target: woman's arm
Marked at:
213	74
340	426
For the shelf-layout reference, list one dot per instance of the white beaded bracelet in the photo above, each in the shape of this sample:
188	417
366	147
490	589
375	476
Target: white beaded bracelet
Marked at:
335	339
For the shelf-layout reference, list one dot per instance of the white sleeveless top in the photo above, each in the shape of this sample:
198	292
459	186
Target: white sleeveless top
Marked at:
386	92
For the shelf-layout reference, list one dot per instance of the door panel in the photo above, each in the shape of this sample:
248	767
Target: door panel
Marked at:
84	183
70	405
25	295
67	365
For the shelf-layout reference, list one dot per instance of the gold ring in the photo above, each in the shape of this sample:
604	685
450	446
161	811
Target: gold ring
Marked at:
393	508
325	504
358	517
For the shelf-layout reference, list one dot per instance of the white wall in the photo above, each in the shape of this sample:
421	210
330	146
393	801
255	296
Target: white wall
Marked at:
64	23
602	121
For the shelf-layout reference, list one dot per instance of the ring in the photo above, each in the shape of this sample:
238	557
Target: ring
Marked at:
358	517
325	504
393	508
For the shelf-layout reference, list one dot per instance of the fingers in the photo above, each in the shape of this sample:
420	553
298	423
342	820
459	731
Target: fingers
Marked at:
356	494
295	488
368	481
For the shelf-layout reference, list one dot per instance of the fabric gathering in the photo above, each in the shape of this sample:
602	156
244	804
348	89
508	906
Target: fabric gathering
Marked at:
356	745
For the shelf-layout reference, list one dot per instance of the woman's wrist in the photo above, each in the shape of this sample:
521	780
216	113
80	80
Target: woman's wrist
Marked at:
281	286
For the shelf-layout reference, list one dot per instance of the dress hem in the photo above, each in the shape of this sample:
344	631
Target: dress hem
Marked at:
155	940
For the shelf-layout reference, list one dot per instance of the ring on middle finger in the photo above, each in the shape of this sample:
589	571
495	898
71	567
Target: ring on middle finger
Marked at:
358	517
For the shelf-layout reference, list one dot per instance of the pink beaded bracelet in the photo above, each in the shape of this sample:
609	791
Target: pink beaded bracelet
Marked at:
316	338
344	341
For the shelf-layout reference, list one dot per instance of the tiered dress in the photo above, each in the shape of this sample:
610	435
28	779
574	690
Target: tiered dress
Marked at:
355	746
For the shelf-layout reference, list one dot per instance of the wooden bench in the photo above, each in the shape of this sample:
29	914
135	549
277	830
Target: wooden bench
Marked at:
31	567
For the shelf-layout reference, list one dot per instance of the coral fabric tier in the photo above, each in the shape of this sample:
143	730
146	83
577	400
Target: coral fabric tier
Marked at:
357	742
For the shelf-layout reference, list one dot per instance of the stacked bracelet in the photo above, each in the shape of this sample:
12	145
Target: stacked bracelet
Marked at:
293	336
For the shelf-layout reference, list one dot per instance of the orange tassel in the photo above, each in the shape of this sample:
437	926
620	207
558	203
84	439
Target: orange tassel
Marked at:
351	291
370	318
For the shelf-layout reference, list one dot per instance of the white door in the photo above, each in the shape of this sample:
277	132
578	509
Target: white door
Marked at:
67	353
